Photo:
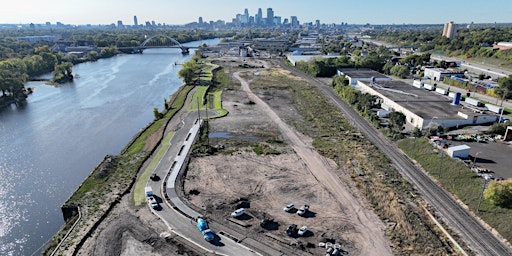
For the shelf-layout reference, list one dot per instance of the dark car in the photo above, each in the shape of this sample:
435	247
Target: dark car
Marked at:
154	176
291	230
265	221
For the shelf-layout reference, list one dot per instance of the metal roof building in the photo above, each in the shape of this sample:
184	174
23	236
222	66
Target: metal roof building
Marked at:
363	74
422	107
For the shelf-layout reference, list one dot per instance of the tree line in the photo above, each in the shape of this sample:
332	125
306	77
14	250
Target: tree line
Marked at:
471	42
21	61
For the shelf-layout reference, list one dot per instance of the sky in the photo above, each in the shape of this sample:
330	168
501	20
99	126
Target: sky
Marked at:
78	12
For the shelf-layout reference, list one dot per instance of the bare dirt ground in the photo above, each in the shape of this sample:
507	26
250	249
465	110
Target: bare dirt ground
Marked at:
238	177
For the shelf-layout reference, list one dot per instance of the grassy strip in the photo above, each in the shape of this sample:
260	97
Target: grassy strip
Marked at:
411	232
460	181
217	104
138	194
198	99
133	152
206	74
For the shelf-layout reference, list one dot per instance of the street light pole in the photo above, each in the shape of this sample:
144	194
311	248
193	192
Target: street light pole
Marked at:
474	159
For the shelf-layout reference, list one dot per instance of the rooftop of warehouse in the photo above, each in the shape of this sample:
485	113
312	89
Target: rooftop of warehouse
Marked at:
361	73
426	104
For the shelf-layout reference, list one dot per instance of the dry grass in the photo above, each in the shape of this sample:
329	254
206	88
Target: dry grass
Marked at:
410	230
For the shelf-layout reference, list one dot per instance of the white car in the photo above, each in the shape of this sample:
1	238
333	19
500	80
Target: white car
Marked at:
302	230
238	212
289	207
303	210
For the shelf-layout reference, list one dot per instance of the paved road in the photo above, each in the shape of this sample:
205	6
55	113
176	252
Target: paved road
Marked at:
475	67
477	236
179	223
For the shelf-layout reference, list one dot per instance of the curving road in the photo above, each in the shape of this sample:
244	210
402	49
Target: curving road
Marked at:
477	236
177	222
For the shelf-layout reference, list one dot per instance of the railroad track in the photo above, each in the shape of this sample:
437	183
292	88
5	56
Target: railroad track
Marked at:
476	235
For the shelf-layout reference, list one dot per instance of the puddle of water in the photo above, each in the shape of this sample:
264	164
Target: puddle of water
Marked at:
229	135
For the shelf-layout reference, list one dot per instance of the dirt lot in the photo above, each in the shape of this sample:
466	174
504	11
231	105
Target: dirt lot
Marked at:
291	172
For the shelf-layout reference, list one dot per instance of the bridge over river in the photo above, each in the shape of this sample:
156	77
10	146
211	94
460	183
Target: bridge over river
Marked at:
158	41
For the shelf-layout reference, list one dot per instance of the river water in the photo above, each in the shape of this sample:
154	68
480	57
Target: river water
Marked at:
51	144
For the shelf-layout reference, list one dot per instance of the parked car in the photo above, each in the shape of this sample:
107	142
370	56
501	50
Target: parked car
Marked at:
265	221
302	230
289	207
503	120
303	210
238	212
291	230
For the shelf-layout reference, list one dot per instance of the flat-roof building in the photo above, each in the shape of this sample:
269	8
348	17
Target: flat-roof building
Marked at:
296	58
438	74
423	107
362	74
37	38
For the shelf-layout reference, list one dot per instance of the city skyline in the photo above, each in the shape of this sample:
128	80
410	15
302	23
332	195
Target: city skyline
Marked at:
332	11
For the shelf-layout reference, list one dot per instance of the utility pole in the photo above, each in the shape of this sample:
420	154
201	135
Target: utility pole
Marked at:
198	109
441	155
207	125
481	195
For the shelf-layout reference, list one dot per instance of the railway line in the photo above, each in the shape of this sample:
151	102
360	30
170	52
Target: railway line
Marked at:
474	233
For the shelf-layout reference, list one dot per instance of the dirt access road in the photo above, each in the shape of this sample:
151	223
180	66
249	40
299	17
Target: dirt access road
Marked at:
367	223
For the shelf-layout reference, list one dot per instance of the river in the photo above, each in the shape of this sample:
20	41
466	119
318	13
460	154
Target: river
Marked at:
52	143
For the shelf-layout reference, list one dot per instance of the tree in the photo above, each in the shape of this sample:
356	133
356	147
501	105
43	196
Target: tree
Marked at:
157	114
500	193
497	129
109	51
63	72
416	132
338	81
92	56
504	91
387	67
396	121
13	75
188	76
400	71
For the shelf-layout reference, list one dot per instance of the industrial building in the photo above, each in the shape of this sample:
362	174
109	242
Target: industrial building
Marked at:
437	74
423	107
296	58
363	74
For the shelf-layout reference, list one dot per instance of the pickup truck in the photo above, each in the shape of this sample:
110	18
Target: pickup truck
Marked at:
152	201
151	198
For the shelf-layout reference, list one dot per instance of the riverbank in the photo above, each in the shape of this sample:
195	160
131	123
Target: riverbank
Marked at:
110	181
97	197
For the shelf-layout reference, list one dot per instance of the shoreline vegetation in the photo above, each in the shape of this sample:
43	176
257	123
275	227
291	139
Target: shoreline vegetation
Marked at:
113	178
117	175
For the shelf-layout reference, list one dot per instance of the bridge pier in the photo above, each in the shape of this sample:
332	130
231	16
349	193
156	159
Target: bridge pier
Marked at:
185	51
